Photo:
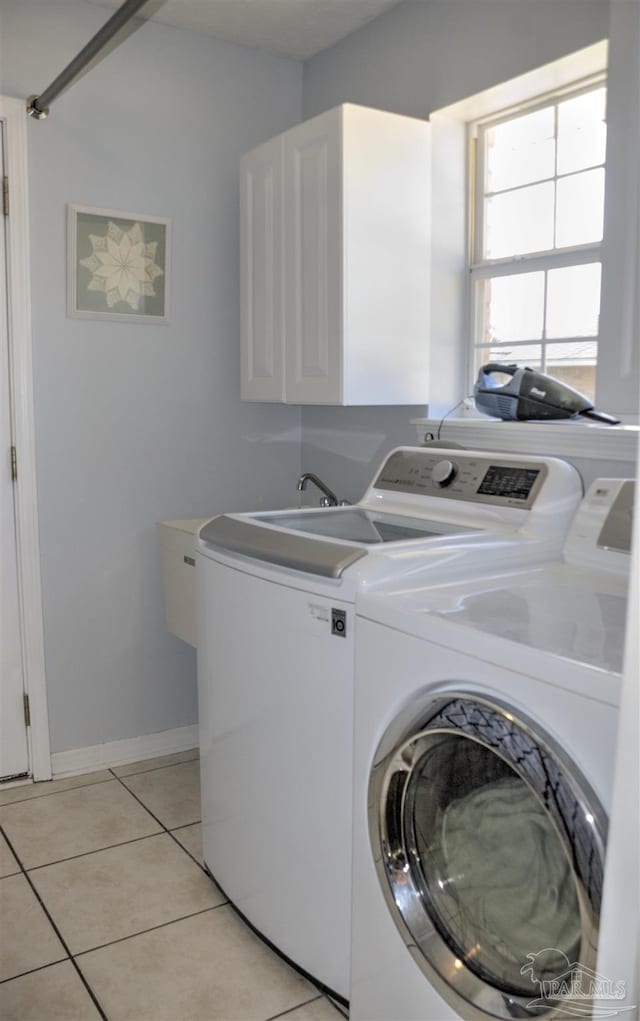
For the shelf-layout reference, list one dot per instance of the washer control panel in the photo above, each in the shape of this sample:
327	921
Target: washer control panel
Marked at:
475	478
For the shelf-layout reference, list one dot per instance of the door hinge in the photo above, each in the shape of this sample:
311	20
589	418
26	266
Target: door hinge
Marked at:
14	464
27	710
5	196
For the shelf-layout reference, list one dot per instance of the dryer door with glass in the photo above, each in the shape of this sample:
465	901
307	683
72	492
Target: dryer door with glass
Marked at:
489	846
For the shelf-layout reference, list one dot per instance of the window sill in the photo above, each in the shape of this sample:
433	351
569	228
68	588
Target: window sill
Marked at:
557	439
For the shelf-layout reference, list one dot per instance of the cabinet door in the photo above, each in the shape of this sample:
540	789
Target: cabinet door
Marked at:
313	260
261	304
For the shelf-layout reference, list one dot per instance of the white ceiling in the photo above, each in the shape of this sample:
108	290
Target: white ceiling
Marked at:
290	28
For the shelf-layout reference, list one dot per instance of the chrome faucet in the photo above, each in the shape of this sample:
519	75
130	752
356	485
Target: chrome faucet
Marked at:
329	499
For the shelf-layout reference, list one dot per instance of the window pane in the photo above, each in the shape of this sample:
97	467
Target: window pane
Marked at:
513	308
520	221
580	208
574	364
582	131
520	151
573	301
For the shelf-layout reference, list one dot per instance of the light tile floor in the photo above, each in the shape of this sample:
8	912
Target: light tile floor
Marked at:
106	911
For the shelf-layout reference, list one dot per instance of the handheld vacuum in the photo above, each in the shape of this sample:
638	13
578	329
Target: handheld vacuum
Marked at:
530	395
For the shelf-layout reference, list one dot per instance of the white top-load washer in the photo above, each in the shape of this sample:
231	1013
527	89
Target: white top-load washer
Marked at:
275	594
485	728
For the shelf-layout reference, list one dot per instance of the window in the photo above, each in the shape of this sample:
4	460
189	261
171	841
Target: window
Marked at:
536	234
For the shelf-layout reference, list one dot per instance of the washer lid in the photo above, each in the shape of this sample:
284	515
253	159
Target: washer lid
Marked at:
301	540
315	556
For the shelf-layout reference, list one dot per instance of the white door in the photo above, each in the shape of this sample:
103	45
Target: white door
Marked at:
313	260
14	752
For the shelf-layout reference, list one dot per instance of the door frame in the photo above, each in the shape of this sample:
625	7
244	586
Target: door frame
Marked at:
14	117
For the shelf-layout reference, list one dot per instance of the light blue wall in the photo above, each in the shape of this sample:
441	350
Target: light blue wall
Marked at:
419	57
139	423
426	54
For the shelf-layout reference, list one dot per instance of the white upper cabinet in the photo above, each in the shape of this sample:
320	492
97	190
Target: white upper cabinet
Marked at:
313	261
261	311
335	248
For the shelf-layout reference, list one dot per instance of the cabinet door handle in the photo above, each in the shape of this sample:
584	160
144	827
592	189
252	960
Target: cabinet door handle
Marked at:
190	561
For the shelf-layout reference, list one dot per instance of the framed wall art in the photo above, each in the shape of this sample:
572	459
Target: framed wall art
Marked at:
118	265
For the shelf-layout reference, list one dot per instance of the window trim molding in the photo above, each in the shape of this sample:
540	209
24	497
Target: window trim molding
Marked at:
567	72
451	186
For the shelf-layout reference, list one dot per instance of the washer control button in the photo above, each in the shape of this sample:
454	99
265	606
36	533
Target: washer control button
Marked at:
444	472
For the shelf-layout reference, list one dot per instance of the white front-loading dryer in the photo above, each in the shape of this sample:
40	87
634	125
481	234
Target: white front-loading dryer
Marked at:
485	728
276	594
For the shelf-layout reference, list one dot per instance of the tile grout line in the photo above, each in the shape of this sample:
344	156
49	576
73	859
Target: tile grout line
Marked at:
71	956
77	787
164	830
52	794
203	869
152	928
338	1007
290	1010
56	929
138	772
83	854
95	850
322	990
32	971
192	856
160	823
121	781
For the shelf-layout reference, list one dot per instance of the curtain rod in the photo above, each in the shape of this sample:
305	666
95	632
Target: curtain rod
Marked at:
38	105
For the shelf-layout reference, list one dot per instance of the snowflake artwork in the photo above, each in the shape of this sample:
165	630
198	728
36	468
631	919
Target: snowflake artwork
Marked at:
118	265
122	265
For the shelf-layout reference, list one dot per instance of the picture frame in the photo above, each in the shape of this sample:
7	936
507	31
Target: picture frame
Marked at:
117	265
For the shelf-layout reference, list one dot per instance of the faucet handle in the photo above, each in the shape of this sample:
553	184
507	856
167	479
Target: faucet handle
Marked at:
329	499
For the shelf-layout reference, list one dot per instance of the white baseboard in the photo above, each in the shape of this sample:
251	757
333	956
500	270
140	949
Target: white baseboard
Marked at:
118	753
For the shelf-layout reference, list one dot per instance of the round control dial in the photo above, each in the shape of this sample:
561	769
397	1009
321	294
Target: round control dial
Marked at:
443	473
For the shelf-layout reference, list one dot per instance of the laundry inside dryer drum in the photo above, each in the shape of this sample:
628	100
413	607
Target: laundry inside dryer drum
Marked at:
490	865
489	846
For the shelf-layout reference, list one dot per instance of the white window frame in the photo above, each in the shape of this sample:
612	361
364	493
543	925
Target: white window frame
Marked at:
449	326
482	268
